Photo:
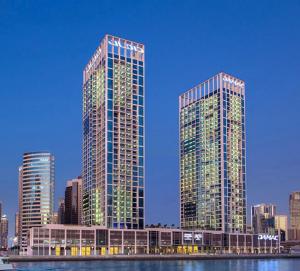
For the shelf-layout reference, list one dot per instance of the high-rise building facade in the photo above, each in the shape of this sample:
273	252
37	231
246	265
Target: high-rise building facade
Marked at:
20	204
73	202
0	223
36	184
113	135
4	232
294	205
212	155
17	225
263	218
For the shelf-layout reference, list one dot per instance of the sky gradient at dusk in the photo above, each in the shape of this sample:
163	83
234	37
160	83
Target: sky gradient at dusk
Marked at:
46	44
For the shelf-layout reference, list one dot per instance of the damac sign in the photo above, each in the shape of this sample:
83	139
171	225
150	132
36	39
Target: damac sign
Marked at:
127	46
267	237
232	81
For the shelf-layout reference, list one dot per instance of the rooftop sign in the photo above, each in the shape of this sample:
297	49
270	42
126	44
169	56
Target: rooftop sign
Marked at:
126	46
233	81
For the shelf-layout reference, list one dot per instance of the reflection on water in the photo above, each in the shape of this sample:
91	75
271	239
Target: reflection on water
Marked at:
199	265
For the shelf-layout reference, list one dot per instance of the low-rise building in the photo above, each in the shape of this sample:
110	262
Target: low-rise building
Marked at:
72	240
281	226
263	218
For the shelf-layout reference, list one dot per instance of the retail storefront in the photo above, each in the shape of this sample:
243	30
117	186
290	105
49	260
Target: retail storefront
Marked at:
66	240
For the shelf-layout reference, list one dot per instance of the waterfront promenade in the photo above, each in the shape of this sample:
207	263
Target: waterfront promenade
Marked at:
151	257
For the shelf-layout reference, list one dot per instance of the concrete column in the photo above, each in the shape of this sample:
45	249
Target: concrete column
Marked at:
279	240
134	242
271	246
193	241
38	245
202	243
95	247
172	246
108	240
229	243
65	243
122	245
80	237
159	240
148	243
49	249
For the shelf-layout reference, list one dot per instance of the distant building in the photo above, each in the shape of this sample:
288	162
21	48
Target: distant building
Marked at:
281	225
213	155
294	234
249	229
17	223
294	204
4	232
54	218
61	211
36	194
0	221
263	218
20	203
73	202
17	227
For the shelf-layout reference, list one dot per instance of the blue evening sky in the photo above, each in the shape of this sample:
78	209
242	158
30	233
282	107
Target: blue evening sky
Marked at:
44	46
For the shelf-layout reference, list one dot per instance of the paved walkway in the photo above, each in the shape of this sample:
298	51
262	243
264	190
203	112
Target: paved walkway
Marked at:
149	257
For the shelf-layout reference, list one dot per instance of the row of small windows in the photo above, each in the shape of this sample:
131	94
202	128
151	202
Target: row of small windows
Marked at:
128	60
136	70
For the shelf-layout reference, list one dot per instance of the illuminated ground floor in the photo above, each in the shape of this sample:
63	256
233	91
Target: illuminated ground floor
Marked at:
67	240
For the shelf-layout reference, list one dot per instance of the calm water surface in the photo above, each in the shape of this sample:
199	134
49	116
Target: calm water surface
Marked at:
207	265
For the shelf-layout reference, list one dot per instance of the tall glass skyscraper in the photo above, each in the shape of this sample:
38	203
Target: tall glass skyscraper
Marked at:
113	135
36	192
212	155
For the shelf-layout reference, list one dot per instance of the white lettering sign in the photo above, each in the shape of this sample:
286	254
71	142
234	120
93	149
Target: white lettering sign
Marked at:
93	60
198	236
188	237
233	81
267	237
127	46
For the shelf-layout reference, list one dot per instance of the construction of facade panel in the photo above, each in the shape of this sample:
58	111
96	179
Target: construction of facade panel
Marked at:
113	135
212	155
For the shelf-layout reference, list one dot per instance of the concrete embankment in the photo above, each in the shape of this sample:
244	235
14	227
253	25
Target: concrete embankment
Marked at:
148	257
